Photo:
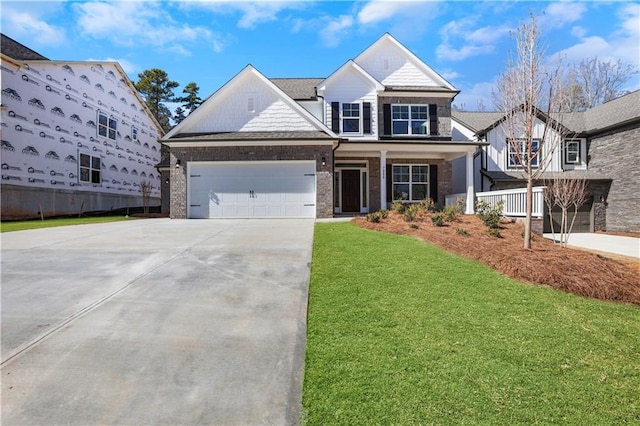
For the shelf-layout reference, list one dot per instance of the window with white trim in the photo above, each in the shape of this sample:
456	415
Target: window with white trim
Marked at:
351	118
89	168
572	151
134	133
520	147
107	126
410	119
410	182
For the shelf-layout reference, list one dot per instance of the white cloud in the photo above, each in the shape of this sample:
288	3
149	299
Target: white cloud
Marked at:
334	29
377	10
405	19
126	65
27	22
449	74
138	24
472	42
252	13
558	14
478	94
578	32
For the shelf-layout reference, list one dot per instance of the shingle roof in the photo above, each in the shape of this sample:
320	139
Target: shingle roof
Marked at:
237	136
476	120
299	89
15	50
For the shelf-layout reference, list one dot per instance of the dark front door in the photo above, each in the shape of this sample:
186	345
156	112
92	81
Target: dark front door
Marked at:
351	191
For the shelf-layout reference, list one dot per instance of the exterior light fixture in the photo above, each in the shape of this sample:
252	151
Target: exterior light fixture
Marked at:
178	164
324	161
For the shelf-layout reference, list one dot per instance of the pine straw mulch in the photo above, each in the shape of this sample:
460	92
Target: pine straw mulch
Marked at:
574	271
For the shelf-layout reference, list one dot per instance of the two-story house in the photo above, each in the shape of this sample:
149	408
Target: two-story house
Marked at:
376	130
76	137
600	145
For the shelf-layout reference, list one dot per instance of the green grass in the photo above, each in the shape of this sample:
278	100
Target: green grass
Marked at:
23	225
401	332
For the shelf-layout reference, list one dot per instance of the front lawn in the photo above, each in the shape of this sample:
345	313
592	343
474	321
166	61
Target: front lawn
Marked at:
401	332
22	225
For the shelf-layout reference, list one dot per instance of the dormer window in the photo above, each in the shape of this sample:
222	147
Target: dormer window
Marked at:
350	118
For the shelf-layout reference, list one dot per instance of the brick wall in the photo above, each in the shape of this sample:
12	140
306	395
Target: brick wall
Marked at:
617	155
324	177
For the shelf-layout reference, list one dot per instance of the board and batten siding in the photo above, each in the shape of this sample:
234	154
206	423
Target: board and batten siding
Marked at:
351	87
233	113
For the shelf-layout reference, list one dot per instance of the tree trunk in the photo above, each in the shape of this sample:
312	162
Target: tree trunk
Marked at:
527	220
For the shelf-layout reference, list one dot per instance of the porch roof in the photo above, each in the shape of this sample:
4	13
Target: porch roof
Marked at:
446	150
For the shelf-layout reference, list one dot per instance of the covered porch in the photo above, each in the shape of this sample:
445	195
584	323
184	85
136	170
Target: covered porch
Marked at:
369	176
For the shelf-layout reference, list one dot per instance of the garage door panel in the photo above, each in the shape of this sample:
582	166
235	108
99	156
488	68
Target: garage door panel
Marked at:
256	189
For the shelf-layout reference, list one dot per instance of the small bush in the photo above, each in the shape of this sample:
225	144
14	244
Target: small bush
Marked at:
398	206
450	213
494	232
437	219
461	231
461	205
411	212
489	215
384	213
428	205
413	226
374	217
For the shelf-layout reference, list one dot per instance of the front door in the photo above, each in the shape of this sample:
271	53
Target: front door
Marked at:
351	191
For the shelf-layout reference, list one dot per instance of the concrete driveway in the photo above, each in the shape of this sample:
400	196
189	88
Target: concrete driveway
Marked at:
603	243
155	321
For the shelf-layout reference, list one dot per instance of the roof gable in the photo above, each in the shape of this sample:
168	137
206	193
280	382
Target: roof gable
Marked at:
392	64
350	68
19	51
249	102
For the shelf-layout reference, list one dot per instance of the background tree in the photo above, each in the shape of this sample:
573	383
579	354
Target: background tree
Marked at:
191	101
526	84
179	115
155	87
594	82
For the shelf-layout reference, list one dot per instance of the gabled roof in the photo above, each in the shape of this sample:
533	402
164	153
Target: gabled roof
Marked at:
185	127
299	89
475	120
389	39
15	50
353	66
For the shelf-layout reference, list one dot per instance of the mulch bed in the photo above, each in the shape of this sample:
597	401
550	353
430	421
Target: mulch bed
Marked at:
574	271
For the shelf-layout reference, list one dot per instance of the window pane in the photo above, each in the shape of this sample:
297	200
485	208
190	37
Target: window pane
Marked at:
95	176
112	134
351	125
400	128
351	110
113	123
400	112
364	189
95	163
419	112
400	173
419	127
401	191
418	191
84	174
102	131
102	119
85	160
419	174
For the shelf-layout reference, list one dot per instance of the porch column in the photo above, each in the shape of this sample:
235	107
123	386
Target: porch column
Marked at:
470	187
383	179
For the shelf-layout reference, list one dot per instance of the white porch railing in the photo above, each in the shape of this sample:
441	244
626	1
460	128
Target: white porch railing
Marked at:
452	199
515	201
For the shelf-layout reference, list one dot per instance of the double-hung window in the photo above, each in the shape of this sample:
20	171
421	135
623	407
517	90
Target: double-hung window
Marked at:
107	126
410	182
351	118
519	146
89	168
572	151
410	119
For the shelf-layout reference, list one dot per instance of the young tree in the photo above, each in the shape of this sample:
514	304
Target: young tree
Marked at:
191	101
566	193
532	132
155	87
594	82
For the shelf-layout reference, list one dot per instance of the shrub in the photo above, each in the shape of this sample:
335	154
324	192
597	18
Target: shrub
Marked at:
437	219
398	206
461	205
450	213
384	213
374	217
413	225
461	231
494	232
489	215
428	205
411	212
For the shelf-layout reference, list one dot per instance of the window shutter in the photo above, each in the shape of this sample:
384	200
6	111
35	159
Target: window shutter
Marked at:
366	118
335	117
433	119
433	182
386	119
389	183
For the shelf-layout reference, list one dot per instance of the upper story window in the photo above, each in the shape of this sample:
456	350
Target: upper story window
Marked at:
572	151
89	168
410	119
134	133
518	149
351	118
107	126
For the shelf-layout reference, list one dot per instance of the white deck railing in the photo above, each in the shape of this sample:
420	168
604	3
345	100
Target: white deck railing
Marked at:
452	199
515	201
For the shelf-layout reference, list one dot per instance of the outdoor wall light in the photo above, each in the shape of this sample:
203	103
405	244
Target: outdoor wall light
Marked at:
178	163
324	161
167	181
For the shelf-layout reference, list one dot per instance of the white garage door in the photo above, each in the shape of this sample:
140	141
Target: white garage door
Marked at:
251	189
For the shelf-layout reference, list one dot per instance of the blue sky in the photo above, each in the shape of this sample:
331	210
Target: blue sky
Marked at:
210	41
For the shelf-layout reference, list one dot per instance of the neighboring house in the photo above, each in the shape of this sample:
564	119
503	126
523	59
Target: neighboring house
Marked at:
602	145
376	130
76	137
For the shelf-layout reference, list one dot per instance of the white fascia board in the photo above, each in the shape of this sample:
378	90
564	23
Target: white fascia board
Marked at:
240	143
350	64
